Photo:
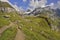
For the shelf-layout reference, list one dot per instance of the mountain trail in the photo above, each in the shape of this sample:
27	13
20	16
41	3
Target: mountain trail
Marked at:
19	35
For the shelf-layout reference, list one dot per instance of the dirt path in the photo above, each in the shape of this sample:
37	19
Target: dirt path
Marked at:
4	28
19	35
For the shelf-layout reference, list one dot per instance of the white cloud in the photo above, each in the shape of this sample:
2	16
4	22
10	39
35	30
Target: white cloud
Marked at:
58	4
55	6
24	0
42	3
52	5
36	3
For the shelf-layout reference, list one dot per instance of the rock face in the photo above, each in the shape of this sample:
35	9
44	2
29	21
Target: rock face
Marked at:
5	7
36	11
58	12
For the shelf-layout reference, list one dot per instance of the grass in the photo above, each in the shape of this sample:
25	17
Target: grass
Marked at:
37	25
9	34
3	21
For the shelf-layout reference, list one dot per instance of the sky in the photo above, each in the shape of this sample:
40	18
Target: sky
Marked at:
31	4
26	4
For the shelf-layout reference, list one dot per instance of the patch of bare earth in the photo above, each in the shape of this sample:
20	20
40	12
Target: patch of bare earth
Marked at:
19	35
4	28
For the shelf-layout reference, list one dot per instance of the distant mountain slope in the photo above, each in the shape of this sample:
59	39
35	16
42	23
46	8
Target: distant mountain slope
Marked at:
58	12
37	11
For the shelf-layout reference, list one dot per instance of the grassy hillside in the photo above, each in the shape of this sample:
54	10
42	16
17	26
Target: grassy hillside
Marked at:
34	28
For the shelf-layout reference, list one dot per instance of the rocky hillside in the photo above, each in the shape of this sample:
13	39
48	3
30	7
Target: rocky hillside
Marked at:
5	7
14	26
4	4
